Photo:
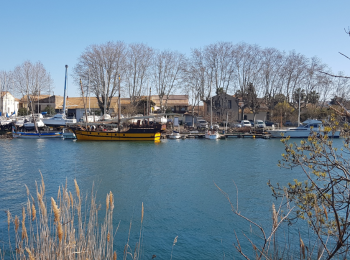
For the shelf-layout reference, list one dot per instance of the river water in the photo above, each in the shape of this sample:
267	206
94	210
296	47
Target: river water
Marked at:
174	179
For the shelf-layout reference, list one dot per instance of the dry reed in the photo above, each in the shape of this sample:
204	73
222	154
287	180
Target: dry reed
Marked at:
67	232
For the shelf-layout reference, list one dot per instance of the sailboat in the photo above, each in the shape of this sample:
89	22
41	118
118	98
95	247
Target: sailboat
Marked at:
127	132
60	119
175	134
211	133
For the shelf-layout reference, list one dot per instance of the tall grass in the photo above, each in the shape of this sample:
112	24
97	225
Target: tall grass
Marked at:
58	229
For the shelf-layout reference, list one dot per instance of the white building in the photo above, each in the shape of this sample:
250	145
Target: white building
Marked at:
8	103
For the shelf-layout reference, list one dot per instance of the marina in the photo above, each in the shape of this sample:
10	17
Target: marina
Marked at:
174	179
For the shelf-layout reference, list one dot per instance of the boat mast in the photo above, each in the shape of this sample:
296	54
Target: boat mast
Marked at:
89	92
65	94
211	112
119	105
104	105
299	110
82	94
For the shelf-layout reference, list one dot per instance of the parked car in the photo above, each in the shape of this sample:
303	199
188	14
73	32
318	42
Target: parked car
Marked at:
201	123
246	123
259	124
269	123
237	125
251	122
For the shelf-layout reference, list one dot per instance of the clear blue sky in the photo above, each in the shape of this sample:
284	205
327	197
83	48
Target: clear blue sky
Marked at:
57	32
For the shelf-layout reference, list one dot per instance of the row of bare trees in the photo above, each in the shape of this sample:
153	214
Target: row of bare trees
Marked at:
232	68
28	79
274	74
135	68
222	66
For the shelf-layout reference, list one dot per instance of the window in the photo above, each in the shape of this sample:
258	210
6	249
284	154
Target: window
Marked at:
229	104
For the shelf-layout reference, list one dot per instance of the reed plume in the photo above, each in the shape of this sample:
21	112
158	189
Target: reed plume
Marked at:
8	218
33	212
111	200
59	231
30	255
107	202
24	229
42	185
42	205
16	223
77	190
56	210
27	190
175	240
302	248
142	212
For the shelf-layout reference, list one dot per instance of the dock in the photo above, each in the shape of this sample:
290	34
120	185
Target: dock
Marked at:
224	136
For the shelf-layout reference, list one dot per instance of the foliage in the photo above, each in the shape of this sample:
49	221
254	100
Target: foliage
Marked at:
279	98
315	112
323	198
312	97
252	98
23	111
142	106
283	110
49	110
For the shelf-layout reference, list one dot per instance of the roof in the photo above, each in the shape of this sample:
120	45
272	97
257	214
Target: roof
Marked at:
24	99
78	102
173	100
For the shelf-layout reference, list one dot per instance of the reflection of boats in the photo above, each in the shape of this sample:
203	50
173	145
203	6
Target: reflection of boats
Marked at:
133	133
68	134
212	134
174	135
34	135
304	130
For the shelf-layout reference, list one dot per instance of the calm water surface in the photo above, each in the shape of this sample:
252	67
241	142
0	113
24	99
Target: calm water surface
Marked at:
174	179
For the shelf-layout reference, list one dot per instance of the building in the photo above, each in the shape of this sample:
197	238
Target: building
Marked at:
175	103
224	107
8	103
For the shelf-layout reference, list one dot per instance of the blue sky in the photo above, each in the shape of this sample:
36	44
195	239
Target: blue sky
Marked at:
57	32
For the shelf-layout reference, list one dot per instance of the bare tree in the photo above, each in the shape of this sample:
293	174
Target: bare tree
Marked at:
167	74
139	62
103	64
270	73
6	84
247	65
30	80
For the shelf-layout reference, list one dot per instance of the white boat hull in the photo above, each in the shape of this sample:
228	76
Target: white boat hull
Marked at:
30	125
212	135
31	135
297	133
174	136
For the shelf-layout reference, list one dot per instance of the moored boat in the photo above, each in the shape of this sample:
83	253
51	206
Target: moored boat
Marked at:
131	133
36	135
304	130
212	134
174	135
